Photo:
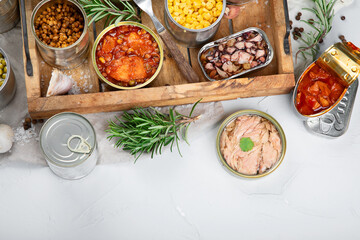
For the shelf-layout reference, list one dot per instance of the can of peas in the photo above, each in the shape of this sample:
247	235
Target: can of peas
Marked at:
7	80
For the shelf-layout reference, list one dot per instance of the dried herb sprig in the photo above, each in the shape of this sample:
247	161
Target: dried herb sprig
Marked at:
100	9
148	130
324	12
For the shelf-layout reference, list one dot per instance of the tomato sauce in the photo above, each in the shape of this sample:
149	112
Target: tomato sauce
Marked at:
317	91
127	56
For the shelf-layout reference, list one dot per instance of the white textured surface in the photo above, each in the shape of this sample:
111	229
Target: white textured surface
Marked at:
314	194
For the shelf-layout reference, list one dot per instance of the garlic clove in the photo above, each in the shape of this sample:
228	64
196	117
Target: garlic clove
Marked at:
6	138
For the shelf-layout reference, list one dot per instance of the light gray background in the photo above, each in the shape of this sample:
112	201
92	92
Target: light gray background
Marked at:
314	194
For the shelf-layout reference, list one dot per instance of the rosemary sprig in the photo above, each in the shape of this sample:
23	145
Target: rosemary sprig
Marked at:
100	9
324	12
148	130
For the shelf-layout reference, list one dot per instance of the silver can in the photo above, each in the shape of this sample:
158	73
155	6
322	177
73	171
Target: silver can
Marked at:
216	43
192	37
68	142
67	57
8	88
343	61
266	116
9	14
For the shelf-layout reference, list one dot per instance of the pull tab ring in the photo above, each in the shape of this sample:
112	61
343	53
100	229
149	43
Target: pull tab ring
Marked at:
83	147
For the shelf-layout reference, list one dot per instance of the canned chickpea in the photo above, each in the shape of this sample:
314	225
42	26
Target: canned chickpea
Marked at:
61	33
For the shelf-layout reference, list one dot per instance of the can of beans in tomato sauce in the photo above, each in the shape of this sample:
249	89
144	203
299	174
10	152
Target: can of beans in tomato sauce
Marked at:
325	93
68	143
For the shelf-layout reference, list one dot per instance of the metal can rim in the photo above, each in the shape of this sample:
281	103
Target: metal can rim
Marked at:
217	42
8	65
305	117
257	113
196	30
60	164
103	32
36	9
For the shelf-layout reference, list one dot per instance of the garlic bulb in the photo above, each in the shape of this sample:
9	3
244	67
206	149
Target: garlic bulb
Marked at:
6	138
59	83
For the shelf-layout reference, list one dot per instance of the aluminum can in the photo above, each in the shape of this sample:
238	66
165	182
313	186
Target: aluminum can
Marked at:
127	23
8	88
343	60
63	58
191	37
234	116
9	14
68	143
268	60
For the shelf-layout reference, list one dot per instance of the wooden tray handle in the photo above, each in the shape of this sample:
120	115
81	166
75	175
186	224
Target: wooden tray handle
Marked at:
182	64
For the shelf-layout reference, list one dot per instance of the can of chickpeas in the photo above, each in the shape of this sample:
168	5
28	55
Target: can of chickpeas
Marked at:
61	33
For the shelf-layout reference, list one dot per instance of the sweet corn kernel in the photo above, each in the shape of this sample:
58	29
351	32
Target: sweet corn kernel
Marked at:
171	9
206	16
219	6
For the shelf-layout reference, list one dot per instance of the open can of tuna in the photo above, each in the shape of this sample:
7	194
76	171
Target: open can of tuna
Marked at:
325	93
68	142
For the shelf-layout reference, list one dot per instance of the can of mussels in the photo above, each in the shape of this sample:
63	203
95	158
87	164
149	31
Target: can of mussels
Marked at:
68	142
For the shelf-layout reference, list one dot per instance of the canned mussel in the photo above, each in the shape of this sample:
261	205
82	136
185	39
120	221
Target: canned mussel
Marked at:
325	93
236	55
68	142
60	31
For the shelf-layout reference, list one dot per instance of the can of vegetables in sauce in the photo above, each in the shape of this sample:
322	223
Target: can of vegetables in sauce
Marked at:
55	32
68	142
250	144
325	93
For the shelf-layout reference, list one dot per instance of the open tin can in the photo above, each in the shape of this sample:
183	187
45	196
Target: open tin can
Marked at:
68	57
192	37
214	44
68	143
341	60
8	86
263	115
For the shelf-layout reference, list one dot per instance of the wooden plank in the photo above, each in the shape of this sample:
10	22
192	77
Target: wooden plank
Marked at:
285	62
32	83
162	96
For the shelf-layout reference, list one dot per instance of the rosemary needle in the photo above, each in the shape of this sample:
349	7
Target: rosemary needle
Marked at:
148	130
105	9
324	12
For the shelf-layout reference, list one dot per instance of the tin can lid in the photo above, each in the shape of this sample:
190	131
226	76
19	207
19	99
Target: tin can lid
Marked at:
67	139
342	59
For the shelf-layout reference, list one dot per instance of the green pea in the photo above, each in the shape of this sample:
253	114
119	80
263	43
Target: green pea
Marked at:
1	66
5	69
1	56
3	62
3	76
1	72
1	82
131	82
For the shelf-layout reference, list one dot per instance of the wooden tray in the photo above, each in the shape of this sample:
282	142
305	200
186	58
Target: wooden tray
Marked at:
169	88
